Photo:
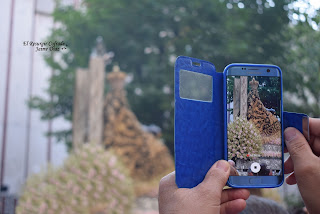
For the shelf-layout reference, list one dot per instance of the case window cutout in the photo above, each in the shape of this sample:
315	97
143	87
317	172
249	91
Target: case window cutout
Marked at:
195	86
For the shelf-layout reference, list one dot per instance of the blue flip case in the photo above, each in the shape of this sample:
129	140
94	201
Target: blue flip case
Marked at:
199	126
298	121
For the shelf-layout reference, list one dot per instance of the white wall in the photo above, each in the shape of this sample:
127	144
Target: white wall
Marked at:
17	114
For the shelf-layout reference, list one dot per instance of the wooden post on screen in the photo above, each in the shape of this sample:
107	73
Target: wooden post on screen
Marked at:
236	97
243	96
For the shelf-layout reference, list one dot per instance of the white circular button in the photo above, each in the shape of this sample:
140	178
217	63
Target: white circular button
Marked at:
255	167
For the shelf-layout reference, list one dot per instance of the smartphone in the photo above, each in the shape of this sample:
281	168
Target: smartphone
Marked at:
254	128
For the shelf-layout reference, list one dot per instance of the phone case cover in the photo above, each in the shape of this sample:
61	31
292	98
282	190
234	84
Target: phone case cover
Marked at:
199	123
298	121
199	133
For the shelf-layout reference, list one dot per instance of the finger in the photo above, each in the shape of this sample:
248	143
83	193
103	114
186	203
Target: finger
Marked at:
233	194
288	166
291	179
304	209
299	149
215	180
315	144
314	124
234	206
232	163
167	187
233	171
168	183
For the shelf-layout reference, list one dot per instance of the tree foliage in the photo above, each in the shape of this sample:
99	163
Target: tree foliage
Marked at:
146	37
269	92
302	82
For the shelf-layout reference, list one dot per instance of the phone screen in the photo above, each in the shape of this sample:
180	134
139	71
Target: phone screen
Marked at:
254	141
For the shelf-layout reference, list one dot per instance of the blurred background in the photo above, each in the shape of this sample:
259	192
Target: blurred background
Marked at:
69	65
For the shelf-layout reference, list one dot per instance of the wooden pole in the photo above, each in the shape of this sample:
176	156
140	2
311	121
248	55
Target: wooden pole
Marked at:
97	75
80	108
236	97
243	96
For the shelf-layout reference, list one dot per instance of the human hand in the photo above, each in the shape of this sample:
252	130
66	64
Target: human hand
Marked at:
206	198
304	162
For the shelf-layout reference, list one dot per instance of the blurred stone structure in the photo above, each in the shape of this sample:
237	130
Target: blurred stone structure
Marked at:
109	121
145	155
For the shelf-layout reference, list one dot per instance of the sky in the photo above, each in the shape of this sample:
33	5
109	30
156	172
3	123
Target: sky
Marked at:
315	3
303	7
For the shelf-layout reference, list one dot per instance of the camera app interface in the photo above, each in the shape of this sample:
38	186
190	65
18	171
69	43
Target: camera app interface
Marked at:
254	124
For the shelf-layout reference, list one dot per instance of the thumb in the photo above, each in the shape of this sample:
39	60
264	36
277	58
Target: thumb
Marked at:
298	147
215	180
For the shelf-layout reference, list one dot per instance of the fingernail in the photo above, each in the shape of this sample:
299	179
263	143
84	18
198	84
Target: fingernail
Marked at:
224	165
232	163
290	134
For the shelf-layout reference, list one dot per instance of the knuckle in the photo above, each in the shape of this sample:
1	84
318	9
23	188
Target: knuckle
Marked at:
211	173
208	189
297	147
204	190
308	169
206	194
217	175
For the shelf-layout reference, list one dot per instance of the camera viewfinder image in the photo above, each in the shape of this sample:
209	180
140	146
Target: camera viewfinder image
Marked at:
254	124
